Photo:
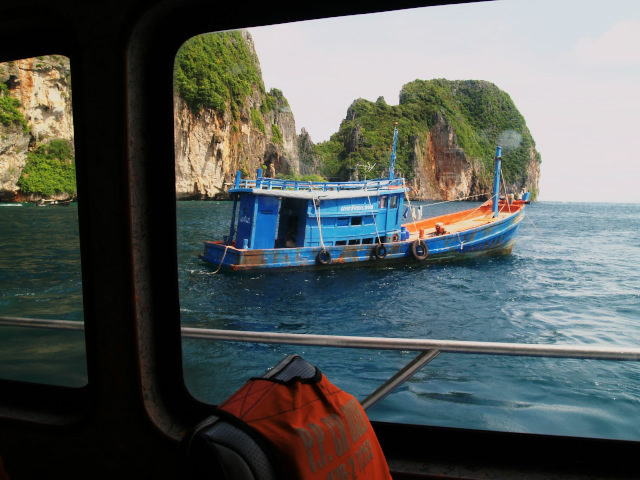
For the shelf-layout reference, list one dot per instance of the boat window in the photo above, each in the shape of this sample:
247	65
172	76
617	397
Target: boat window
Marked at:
354	242
356	220
39	246
367	241
448	301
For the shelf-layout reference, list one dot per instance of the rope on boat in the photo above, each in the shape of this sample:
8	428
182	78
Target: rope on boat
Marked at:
506	195
457	200
375	224
404	189
317	210
226	247
448	201
476	209
471	213
538	231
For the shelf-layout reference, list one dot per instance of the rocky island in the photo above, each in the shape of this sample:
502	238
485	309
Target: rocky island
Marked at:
225	121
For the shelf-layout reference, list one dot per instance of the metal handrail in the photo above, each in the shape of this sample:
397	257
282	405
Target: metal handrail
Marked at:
41	323
281	184
449	346
377	343
429	349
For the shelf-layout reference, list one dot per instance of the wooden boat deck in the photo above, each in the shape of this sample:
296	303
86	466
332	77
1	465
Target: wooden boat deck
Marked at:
456	222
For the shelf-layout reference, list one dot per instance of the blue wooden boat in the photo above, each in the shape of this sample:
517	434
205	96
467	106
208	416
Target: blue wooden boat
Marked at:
282	223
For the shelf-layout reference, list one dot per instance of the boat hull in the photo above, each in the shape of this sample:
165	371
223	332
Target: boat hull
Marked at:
495	238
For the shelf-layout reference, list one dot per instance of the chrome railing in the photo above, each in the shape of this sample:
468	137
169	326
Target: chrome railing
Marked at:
429	349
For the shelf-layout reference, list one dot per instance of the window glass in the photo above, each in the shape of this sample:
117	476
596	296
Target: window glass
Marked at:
39	243
563	290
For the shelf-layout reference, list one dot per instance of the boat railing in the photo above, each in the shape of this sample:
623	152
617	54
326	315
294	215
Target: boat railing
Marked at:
429	349
263	183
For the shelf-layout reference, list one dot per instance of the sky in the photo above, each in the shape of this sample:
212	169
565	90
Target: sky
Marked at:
572	68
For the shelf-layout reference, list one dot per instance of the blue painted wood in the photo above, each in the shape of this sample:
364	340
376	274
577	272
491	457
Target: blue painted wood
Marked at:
494	238
266	215
246	219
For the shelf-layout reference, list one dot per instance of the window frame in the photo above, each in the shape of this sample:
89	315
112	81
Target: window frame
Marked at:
135	403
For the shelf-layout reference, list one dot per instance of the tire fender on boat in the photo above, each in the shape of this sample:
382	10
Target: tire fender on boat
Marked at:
419	250
380	251
324	257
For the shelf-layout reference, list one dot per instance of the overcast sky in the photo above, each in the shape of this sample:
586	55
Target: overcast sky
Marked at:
572	67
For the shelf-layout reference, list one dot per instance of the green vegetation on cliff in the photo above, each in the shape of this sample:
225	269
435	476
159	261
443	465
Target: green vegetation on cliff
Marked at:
9	110
272	99
216	68
365	138
256	119
481	115
300	178
220	71
50	169
276	136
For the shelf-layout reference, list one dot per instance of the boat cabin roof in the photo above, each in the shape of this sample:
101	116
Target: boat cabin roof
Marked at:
322	190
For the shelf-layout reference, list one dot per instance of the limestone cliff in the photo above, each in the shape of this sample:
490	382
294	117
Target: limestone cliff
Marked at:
13	156
310	162
225	121
453	167
255	130
448	131
210	148
43	87
443	171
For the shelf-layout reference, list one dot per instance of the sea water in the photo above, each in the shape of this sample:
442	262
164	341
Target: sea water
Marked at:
572	279
40	278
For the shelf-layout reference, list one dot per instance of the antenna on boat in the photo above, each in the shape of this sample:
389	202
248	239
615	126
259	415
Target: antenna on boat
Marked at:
496	181
367	168
392	161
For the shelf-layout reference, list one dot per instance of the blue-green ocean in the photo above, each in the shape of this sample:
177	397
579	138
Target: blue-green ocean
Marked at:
573	278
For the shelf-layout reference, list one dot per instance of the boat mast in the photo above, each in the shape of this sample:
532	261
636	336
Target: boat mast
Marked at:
496	182
392	161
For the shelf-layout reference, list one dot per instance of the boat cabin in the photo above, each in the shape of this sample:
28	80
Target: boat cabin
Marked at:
275	213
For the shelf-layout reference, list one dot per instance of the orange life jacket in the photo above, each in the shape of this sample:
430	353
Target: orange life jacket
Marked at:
317	431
